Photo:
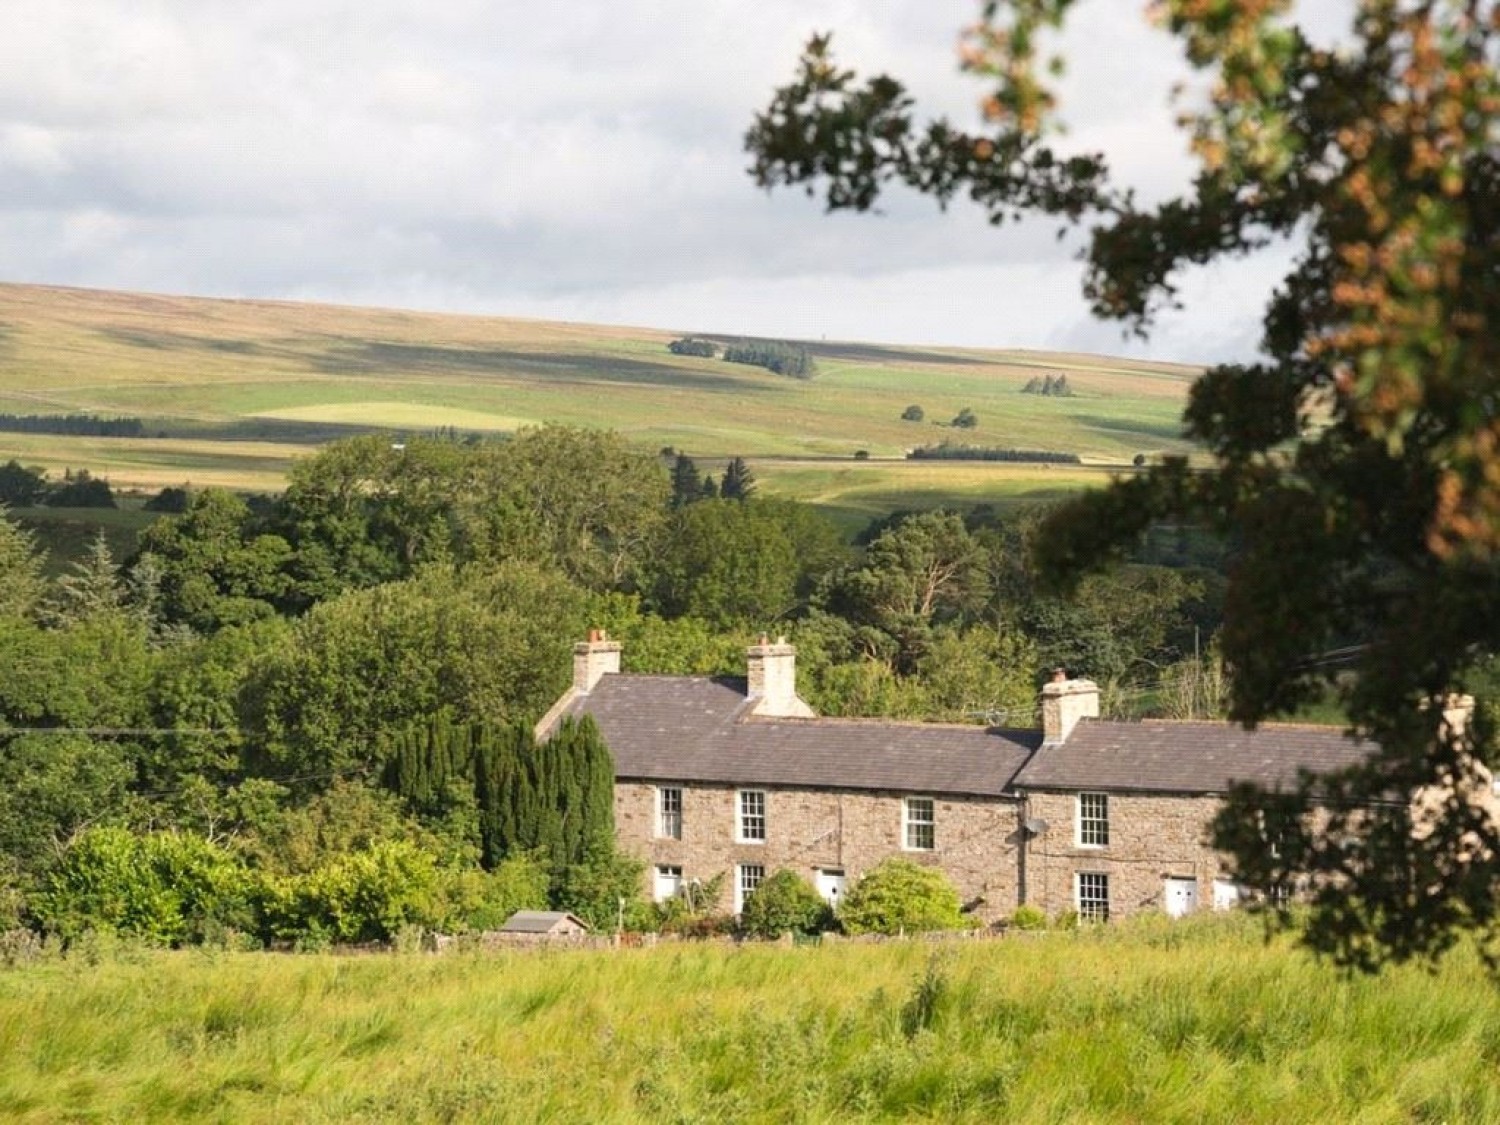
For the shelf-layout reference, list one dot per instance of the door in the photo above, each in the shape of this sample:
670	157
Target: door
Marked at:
830	884
1226	894
1179	896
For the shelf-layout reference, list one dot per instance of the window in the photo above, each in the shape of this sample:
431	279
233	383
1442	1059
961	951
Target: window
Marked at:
668	883
919	826
1093	896
752	823
669	812
1093	820
747	878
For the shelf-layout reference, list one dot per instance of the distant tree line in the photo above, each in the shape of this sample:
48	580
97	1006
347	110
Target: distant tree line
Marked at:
774	355
1055	385
22	487
692	345
75	425
948	451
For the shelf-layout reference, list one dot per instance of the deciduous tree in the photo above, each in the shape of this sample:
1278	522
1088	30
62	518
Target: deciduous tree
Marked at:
1357	464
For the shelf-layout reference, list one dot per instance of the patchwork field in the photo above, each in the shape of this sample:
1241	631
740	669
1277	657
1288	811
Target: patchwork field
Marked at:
1195	1021
232	391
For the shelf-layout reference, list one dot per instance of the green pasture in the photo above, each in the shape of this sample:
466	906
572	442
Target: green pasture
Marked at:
234	388
1197	1021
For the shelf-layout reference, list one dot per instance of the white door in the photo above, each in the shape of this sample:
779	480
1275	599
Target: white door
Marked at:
1180	896
668	883
830	884
1226	894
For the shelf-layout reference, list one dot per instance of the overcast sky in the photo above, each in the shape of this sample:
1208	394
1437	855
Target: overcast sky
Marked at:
579	161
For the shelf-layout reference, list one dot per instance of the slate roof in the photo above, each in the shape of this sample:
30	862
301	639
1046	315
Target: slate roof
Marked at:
539	921
695	728
1186	757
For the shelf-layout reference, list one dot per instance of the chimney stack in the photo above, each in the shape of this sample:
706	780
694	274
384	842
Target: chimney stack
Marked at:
598	656
773	680
1064	703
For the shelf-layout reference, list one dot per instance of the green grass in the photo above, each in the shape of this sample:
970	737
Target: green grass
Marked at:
211	375
1154	1022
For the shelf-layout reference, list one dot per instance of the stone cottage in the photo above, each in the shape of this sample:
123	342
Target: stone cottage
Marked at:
739	776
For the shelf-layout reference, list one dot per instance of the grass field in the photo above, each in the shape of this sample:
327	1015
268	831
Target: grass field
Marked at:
238	389
1155	1022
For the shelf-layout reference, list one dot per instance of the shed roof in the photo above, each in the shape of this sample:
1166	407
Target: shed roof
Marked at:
1187	757
697	728
539	921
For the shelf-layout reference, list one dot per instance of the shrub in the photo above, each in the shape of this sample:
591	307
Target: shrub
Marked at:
477	900
368	895
605	891
1029	918
965	419
169	500
900	896
784	903
913	413
164	889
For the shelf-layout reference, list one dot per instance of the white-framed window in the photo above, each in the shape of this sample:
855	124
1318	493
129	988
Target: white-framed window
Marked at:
750	826
1091	896
1093	820
669	812
747	876
918	824
668	882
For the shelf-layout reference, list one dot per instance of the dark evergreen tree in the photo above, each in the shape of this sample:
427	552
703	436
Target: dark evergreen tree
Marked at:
687	485
738	482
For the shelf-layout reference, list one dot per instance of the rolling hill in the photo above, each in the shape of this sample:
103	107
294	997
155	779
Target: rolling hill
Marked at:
231	391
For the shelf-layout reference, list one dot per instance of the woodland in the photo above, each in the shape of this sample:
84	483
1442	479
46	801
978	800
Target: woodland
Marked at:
305	719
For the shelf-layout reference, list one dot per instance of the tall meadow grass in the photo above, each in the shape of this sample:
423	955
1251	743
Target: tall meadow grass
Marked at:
1153	1022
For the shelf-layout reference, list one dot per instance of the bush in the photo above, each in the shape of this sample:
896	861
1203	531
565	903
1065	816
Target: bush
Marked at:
605	891
900	896
163	889
913	413
1029	918
80	490
169	500
965	419
368	895
477	900
784	903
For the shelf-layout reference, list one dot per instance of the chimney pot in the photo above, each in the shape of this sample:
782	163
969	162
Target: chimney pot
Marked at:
772	681
594	658
1064	703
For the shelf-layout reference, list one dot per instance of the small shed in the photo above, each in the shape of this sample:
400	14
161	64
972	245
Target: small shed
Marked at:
543	924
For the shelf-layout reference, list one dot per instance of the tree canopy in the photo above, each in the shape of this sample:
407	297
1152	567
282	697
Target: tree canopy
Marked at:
1355	464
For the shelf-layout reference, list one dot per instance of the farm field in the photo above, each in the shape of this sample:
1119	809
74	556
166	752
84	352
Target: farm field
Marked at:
1195	1021
231	392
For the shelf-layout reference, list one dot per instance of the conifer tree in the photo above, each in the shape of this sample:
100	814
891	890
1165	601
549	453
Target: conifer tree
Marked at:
738	482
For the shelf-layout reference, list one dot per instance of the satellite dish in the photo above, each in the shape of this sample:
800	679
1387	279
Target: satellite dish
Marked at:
1036	826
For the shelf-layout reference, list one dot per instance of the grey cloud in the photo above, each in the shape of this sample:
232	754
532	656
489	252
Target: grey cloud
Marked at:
582	161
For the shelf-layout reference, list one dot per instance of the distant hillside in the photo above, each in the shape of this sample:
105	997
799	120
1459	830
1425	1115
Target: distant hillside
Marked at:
229	392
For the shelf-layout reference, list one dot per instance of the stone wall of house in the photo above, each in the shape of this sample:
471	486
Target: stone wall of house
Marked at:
975	838
1152	838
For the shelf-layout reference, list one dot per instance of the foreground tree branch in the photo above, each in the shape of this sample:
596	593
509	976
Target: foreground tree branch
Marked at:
1357	466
